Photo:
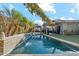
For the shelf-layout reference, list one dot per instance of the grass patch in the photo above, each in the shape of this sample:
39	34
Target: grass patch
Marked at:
72	38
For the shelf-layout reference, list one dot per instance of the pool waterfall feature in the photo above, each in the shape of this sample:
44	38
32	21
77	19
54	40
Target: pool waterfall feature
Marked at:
41	44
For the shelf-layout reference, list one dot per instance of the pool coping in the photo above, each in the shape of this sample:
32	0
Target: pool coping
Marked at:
65	54
65	41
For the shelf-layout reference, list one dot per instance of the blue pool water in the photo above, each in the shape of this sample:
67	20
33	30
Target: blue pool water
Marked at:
41	45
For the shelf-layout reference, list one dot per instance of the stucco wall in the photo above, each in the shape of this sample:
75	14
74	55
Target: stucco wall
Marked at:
9	43
1	46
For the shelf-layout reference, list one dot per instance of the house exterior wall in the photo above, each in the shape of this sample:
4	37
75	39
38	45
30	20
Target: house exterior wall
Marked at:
55	28
69	28
61	29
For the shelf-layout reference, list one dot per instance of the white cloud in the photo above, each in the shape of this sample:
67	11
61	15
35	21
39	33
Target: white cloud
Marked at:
77	3
51	18
47	7
39	22
55	17
75	8
72	11
69	18
62	18
11	6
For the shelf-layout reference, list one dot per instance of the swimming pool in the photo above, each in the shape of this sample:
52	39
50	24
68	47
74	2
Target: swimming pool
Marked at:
40	44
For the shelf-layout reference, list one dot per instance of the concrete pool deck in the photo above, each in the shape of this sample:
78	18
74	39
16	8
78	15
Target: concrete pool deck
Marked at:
62	40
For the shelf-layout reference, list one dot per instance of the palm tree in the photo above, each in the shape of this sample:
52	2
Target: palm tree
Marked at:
25	24
32	25
2	22
18	23
28	25
35	9
15	18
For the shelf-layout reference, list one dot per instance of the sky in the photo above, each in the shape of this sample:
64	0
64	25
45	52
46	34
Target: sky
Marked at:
55	11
